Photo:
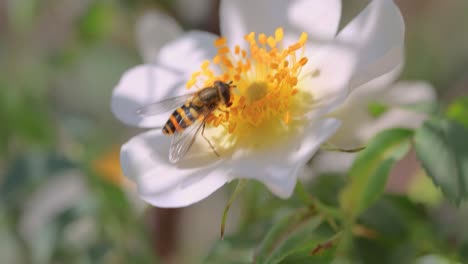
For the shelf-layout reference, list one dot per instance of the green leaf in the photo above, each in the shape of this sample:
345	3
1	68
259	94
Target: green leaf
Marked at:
458	111
370	170
376	109
28	171
403	230
294	234
442	148
325	187
325	257
97	22
422	190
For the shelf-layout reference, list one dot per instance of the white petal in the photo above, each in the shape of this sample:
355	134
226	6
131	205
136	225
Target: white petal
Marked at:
379	84
393	118
327	76
140	86
377	35
319	18
279	168
409	92
185	54
163	184
148	84
354	112
332	162
154	29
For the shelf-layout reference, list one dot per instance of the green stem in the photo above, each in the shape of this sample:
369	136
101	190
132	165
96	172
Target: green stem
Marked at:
303	194
240	186
309	200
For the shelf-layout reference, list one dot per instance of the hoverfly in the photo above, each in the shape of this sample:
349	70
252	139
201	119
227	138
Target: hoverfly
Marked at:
187	120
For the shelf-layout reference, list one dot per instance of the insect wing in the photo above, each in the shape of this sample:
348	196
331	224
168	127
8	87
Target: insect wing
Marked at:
182	141
163	106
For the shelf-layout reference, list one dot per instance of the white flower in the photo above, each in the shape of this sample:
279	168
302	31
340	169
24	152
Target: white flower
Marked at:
359	125
276	122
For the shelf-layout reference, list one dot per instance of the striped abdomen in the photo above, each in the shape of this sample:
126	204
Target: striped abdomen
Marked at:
181	118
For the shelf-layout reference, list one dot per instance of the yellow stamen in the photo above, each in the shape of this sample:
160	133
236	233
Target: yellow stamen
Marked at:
271	42
220	42
279	34
266	78
303	38
262	38
286	118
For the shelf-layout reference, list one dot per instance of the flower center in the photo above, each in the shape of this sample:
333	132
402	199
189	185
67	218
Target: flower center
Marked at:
266	76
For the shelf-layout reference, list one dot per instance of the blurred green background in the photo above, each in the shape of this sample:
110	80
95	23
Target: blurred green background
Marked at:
62	197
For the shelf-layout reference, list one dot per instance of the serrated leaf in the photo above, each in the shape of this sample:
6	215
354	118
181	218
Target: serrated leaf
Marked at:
369	173
442	147
458	111
294	234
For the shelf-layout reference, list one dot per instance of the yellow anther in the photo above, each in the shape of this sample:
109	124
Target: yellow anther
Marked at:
250	37
274	66
279	34
274	52
303	61
195	74
237	49
227	62
294	47
244	54
220	42
237	77
216	59
223	50
293	81
190	83
294	91
303	38
271	42
262	38
285	64
205	65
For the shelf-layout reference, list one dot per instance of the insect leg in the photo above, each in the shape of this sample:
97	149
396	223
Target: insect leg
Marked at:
207	140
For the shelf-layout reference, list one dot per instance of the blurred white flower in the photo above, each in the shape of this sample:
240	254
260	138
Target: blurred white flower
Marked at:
194	12
154	29
359	124
290	69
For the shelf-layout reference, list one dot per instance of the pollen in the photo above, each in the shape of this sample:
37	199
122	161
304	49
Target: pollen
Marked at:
266	80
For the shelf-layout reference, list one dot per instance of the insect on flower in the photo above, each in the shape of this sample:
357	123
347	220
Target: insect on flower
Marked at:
189	119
